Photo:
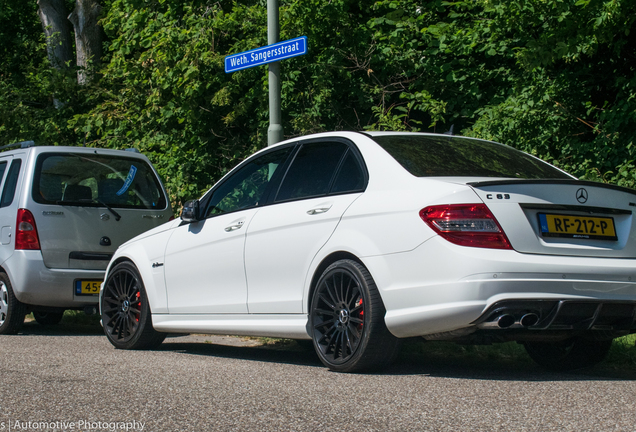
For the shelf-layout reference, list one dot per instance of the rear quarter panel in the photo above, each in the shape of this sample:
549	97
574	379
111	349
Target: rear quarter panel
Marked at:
385	218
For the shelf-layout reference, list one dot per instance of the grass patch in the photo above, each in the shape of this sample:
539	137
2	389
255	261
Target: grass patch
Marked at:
275	343
74	317
623	353
506	352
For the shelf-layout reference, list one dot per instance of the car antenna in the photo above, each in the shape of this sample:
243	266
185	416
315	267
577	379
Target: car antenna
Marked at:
450	131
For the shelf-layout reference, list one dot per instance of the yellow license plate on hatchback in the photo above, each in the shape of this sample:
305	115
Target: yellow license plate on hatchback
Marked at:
87	287
581	227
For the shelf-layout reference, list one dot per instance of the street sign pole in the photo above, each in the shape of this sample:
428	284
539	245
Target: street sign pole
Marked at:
275	130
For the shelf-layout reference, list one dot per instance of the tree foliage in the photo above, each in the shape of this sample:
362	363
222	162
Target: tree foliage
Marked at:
554	78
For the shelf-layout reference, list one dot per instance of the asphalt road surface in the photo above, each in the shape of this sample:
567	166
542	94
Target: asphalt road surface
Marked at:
58	380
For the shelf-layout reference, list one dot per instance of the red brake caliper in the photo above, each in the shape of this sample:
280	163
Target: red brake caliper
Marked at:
361	313
138	306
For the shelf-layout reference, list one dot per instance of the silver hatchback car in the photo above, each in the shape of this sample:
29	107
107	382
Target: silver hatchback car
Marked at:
63	213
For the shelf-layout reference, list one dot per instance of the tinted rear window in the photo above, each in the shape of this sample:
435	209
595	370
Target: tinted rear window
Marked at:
431	156
94	180
312	170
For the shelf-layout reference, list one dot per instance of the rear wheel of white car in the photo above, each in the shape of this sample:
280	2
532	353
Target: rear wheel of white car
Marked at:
571	354
48	318
125	310
347	320
12	312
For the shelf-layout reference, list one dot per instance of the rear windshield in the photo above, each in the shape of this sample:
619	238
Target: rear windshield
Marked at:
94	180
429	156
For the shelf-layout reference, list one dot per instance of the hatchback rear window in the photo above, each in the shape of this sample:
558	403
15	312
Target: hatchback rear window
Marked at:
433	156
95	180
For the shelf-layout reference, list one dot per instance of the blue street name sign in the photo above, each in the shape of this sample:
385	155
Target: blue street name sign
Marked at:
267	54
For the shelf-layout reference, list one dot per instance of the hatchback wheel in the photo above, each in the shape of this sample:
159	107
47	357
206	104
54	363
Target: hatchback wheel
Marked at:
48	318
347	320
571	354
12	312
126	312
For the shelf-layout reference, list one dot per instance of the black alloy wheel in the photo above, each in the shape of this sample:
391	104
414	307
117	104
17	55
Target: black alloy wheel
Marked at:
347	320
125	310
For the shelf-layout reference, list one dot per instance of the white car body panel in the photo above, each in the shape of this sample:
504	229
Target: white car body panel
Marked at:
146	253
521	224
453	284
216	245
281	242
291	326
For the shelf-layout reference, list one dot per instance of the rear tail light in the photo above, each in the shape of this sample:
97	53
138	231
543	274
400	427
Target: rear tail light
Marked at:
466	225
26	231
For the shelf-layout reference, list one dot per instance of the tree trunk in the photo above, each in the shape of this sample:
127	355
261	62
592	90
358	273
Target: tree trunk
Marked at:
57	30
88	37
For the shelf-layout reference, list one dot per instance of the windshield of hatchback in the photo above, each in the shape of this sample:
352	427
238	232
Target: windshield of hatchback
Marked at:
448	156
96	180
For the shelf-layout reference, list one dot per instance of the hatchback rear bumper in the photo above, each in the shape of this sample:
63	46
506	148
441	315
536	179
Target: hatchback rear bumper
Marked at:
440	287
35	284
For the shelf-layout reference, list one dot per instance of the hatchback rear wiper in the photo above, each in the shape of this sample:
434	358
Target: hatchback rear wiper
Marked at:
110	209
92	201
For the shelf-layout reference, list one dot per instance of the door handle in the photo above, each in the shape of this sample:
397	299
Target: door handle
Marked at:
318	210
234	227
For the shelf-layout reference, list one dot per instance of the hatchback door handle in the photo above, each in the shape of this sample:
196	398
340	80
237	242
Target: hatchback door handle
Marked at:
318	210
234	227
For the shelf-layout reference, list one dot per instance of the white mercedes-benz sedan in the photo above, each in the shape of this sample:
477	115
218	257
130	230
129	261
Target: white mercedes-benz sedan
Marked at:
357	240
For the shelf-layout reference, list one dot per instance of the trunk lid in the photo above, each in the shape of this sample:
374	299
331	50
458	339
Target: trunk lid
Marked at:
563	217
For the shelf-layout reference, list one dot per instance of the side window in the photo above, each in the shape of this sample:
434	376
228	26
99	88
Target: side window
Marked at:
8	192
350	176
246	187
3	168
312	170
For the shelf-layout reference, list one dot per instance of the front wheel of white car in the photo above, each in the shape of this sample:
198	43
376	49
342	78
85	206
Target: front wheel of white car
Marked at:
347	320
126	312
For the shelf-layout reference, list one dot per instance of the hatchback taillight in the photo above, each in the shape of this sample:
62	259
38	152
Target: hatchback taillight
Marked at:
26	231
466	225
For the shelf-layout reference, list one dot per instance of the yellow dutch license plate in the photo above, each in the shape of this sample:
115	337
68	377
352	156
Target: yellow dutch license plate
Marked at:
87	287
581	227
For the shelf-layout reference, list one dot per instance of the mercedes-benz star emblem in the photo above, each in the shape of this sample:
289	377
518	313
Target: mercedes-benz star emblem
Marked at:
344	316
581	195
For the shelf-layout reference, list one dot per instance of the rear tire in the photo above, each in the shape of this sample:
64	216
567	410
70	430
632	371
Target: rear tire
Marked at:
12	311
126	315
347	320
571	354
48	318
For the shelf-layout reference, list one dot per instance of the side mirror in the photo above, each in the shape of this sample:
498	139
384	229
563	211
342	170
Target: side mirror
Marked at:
190	212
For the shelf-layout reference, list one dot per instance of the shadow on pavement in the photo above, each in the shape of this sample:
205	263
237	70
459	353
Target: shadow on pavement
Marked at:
288	353
32	328
460	367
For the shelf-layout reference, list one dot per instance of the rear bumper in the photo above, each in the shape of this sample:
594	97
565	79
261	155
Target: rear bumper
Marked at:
440	287
35	284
